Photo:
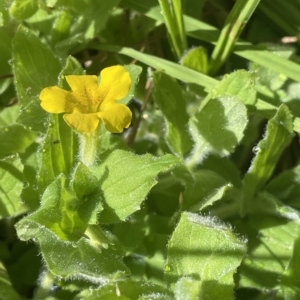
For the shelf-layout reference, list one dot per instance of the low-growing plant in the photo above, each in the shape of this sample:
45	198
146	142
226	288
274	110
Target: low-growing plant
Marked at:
149	149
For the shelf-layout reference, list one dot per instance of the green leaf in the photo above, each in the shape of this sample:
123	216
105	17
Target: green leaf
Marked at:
196	59
11	185
126	290
61	212
206	188
23	9
15	138
30	194
9	115
6	290
169	98
82	259
83	181
217	128
135	72
187	289
61	27
270	251
126	180
6	53
35	68
278	135
286	187
93	16
267	77
290	281
132	232
58	151
205	250
240	84
224	167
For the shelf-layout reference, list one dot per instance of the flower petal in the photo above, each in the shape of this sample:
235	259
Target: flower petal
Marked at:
85	90
82	122
56	100
116	118
115	83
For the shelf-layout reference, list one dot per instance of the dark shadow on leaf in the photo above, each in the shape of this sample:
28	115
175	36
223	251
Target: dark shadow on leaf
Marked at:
211	124
107	215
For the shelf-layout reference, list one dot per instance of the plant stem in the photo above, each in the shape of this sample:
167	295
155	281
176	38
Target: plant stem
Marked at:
173	16
234	25
89	144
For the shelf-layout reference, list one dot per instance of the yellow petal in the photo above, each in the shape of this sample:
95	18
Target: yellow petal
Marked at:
115	83
82	122
56	100
116	118
85	89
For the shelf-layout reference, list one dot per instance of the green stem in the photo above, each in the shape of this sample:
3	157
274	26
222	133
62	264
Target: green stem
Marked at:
173	17
89	144
234	25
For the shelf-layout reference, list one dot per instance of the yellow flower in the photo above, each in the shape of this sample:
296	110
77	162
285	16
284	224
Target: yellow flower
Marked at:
89	102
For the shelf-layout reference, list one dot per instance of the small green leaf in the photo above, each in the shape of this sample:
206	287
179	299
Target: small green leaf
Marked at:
205	250
126	180
61	212
206	188
23	9
240	84
267	77
169	98
218	127
80	259
196	59
84	182
135	72
93	16
6	290
15	138
9	115
58	151
187	289
72	67
61	27
278	135
11	185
